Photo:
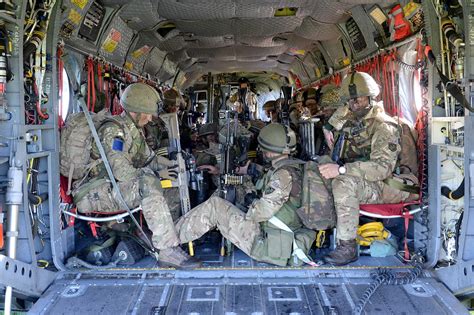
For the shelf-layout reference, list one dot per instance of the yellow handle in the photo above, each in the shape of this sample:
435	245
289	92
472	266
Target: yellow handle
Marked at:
191	248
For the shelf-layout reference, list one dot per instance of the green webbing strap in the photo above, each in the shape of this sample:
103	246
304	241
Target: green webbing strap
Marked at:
413	189
297	251
95	248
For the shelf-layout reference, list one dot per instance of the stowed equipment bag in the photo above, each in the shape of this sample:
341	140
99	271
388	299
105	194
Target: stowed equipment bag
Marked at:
317	210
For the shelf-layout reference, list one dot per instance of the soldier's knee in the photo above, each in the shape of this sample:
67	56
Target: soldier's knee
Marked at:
344	184
149	183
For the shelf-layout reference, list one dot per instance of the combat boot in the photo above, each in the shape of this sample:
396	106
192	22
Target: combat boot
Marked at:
177	258
346	252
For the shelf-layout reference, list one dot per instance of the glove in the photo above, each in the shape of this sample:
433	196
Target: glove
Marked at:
165	162
249	198
169	173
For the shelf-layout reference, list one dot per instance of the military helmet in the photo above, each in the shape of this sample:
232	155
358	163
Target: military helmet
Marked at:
207	129
310	93
359	84
140	98
270	105
277	138
172	98
331	97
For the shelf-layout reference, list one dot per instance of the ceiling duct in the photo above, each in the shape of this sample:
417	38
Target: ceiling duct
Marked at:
140	14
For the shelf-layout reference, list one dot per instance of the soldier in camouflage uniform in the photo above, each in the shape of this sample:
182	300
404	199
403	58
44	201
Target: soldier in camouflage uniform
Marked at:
235	101
369	156
270	108
253	232
133	164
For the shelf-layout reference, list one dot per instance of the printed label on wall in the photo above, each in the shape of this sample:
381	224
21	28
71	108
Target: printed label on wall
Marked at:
111	42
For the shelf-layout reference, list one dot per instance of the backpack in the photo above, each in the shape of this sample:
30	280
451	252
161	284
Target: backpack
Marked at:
408	157
316	211
76	143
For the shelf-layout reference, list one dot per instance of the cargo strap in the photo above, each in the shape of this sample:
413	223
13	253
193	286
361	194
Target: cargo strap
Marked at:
451	86
413	189
298	252
110	173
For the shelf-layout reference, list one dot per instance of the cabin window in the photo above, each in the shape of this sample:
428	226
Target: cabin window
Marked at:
64	97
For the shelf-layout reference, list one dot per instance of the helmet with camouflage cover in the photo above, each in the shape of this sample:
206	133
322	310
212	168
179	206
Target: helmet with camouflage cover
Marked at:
310	93
331	98
172	98
207	129
140	98
359	84
277	138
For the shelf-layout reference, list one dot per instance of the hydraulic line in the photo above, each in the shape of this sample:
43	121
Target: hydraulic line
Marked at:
453	194
386	277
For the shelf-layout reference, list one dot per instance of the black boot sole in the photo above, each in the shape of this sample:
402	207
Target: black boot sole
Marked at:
335	263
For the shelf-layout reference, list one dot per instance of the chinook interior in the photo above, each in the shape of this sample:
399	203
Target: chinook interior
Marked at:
55	53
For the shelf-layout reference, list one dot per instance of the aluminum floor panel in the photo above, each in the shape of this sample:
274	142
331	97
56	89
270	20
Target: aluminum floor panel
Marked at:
170	292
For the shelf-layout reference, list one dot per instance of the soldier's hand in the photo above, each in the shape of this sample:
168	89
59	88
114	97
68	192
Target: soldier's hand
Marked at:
169	173
211	169
329	170
166	162
242	170
329	136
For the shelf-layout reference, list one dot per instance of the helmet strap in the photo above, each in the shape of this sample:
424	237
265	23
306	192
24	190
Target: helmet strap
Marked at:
352	87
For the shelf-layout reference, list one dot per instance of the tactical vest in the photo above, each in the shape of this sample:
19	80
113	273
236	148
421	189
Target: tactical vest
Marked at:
275	246
358	138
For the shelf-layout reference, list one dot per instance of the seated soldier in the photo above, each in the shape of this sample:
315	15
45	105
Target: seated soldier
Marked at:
254	231
365	162
133	164
311	96
270	109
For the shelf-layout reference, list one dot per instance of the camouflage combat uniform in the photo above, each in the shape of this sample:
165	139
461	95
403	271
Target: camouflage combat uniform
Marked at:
251	231
370	155
127	152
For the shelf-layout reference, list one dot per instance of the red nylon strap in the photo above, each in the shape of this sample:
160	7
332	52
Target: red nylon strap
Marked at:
99	77
72	219
90	85
407	216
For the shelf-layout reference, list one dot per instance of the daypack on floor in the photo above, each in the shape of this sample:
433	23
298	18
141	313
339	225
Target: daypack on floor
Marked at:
76	144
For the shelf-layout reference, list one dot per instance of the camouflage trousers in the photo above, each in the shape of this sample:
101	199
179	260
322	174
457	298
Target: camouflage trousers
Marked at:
173	200
349	192
144	190
219	213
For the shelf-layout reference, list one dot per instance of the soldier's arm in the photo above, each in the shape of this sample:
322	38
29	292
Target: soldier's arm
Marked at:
276	194
116	149
383	157
338	119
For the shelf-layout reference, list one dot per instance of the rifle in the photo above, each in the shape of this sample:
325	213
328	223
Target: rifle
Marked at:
171	121
338	149
285	107
245	116
228	179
